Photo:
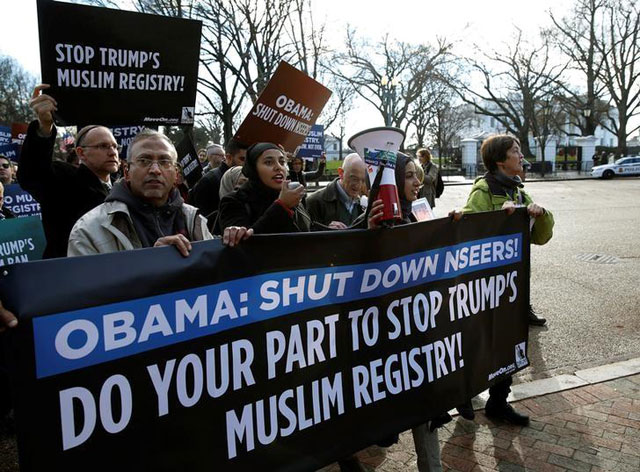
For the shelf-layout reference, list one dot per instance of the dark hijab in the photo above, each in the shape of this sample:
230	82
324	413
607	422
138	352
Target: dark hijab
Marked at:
401	166
250	167
257	197
253	190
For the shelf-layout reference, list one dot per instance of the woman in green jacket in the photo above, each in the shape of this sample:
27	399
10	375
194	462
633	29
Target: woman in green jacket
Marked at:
502	188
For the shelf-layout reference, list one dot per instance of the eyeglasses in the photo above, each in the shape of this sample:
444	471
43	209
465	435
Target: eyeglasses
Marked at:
104	146
146	163
5	165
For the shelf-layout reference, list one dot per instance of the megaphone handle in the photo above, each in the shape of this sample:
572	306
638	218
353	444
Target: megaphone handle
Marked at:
373	193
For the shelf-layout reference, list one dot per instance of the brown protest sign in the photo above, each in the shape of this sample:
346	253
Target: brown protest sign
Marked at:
285	110
18	133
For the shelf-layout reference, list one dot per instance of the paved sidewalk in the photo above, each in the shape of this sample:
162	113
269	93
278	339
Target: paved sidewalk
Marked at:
589	428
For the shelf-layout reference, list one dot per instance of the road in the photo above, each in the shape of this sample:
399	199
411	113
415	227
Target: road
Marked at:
592	308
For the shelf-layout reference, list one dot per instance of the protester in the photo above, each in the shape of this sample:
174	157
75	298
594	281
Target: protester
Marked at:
425	436
143	210
265	202
5	213
6	170
202	156
64	192
214	156
338	204
430	176
501	188
296	173
206	193
231	181
7	319
72	158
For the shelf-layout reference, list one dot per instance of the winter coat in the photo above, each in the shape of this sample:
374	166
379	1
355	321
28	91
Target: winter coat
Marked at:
109	228
325	206
481	199
206	193
64	192
254	205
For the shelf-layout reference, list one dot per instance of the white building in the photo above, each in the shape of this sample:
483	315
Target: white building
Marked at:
481	126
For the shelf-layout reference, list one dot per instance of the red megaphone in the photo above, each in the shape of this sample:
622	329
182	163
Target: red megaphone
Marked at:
378	148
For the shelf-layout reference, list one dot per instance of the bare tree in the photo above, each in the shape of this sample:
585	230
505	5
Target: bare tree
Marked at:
423	111
576	36
16	85
445	127
175	8
243	41
393	76
620	48
513	83
307	51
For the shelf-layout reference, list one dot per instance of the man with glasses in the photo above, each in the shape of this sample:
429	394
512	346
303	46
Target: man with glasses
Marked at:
64	192
144	209
338	204
6	170
214	156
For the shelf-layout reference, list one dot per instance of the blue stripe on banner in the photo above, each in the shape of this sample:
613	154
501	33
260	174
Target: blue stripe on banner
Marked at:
81	338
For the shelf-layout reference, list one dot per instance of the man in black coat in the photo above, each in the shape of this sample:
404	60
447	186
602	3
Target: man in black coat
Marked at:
64	192
338	204
205	195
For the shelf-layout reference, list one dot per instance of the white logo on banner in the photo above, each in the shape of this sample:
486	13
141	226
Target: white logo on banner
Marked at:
521	354
187	115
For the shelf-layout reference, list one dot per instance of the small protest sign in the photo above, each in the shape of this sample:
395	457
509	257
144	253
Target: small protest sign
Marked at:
188	160
10	151
124	135
18	133
422	210
112	66
21	240
286	109
313	144
5	134
20	202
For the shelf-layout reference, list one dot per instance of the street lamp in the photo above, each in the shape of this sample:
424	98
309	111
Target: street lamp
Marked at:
388	96
586	113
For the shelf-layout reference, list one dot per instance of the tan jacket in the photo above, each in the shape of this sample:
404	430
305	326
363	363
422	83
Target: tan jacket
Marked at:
108	228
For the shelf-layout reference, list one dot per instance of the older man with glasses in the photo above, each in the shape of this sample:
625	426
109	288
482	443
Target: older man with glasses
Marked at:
144	209
64	192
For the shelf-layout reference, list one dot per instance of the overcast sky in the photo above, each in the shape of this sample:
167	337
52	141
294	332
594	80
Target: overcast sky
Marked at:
487	23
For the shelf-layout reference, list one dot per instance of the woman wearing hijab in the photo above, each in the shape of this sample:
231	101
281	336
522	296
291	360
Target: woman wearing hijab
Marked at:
231	181
265	203
425	436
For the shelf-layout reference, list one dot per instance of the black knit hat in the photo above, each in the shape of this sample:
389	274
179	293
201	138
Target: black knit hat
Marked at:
249	169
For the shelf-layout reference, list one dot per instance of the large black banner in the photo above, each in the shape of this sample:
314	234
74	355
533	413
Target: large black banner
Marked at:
285	353
113	67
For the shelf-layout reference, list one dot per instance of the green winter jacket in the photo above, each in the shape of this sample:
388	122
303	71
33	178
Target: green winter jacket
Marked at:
481	199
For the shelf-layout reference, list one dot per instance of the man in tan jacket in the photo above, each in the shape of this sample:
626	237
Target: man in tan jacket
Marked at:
142	210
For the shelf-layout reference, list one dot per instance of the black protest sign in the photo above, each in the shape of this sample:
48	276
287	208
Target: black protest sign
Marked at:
112	67
240	359
188	160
